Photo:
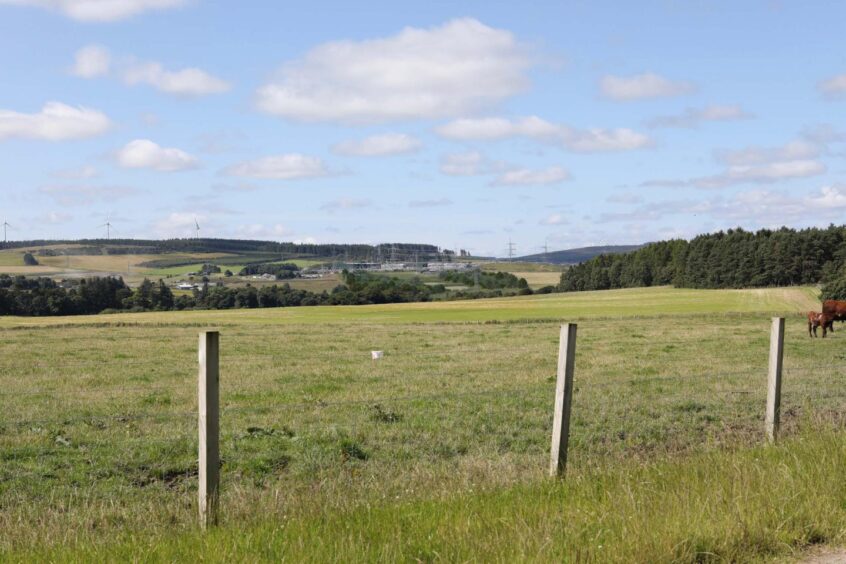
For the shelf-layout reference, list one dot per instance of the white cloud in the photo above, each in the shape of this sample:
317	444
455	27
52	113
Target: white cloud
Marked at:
758	165
179	224
185	82
834	87
597	140
99	10
460	67
640	86
772	172
752	208
693	117
527	177
91	61
55	217
589	140
55	122
378	145
346	204
280	167
553	219
143	153
794	150
463	164
829	197
94	61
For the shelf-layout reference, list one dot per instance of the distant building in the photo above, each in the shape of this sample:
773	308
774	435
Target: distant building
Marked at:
445	266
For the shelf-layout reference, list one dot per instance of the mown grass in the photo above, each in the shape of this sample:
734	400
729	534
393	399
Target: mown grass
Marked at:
328	455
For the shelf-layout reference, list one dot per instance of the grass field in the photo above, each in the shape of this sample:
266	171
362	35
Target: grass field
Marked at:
537	279
651	302
439	450
515	267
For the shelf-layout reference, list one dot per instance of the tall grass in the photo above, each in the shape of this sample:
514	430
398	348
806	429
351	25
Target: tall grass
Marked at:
721	506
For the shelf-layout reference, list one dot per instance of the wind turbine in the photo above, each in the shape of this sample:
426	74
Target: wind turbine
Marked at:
5	225
108	227
197	227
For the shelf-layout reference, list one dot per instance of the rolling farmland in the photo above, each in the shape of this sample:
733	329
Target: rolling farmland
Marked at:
98	432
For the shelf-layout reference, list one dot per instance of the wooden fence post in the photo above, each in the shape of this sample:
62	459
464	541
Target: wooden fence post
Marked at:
774	378
563	399
209	427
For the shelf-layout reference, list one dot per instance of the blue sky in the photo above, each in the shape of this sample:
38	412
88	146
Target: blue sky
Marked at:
461	124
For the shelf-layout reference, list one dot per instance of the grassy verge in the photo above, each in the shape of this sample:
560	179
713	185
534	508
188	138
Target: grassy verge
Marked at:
723	506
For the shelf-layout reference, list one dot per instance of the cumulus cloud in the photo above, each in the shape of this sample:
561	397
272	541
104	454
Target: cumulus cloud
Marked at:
591	140
641	86
91	61
463	164
55	122
751	207
379	145
143	153
834	87
529	177
95	61
829	197
460	67
346	204
99	10
185	82
280	167
693	117
758	165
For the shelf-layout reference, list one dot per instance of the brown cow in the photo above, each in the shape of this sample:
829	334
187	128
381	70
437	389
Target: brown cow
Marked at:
836	309
819	319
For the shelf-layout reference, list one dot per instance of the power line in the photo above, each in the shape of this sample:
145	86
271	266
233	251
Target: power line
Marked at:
511	249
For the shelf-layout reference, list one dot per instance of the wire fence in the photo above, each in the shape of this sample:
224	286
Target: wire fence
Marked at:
146	429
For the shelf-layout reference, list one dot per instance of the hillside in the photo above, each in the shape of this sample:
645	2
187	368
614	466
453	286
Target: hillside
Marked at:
575	256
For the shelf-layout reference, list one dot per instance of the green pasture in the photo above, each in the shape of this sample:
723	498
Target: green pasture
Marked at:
9	258
437	452
637	302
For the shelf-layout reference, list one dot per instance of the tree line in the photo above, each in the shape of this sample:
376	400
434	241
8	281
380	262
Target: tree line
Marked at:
727	259
200	245
45	297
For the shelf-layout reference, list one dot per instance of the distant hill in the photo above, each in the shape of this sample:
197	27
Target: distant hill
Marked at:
575	256
397	251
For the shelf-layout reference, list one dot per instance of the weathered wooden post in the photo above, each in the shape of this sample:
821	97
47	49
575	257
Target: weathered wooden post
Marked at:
209	427
774	378
563	399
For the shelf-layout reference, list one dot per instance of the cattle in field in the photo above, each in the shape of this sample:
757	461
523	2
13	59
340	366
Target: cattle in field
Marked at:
836	309
816	319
